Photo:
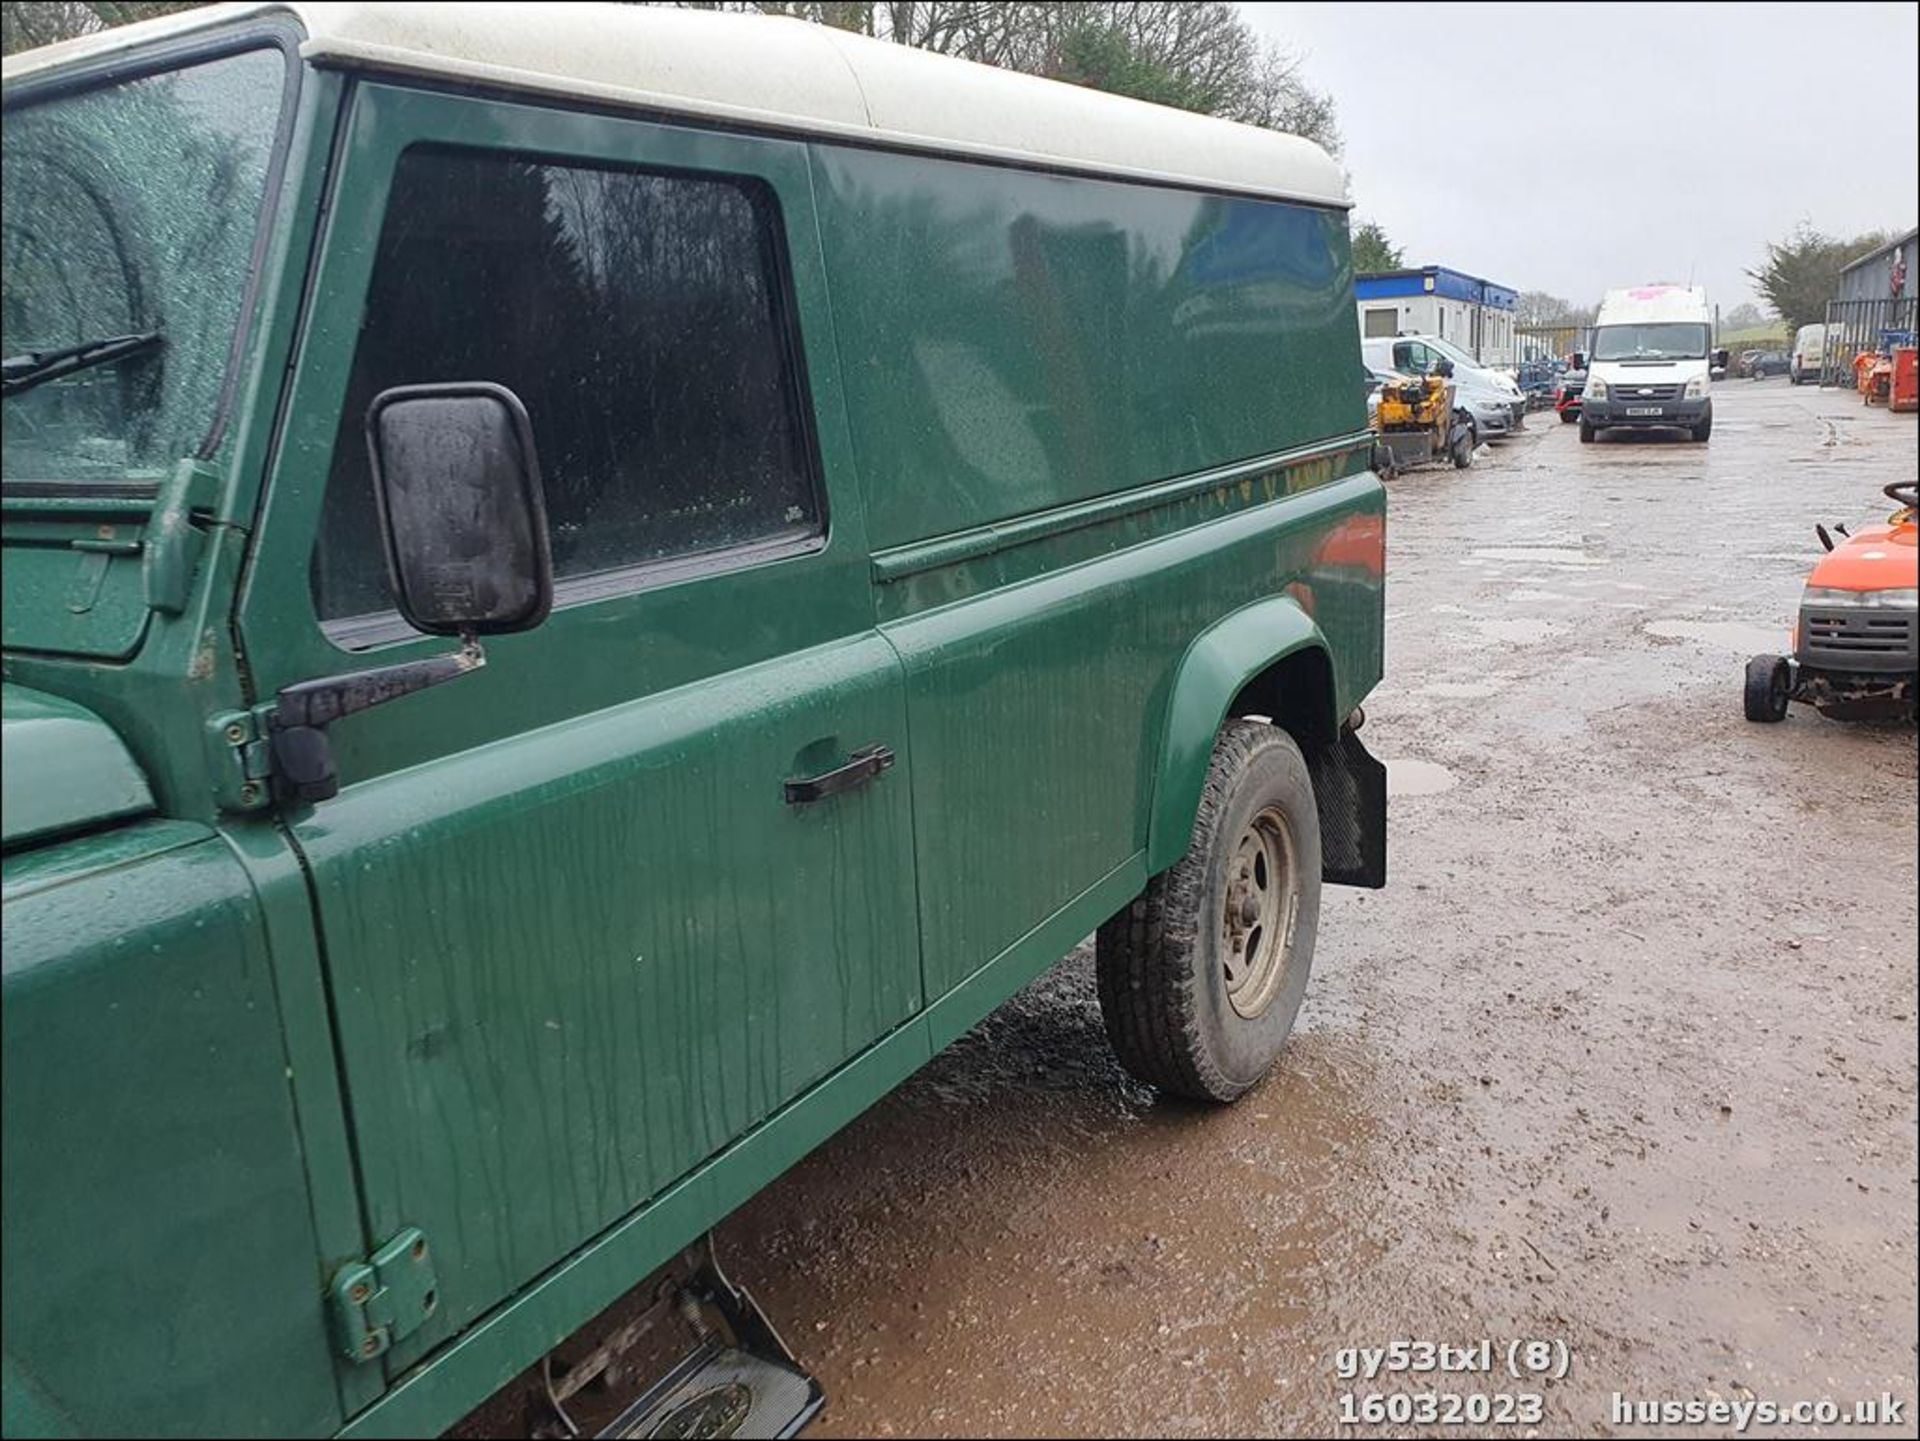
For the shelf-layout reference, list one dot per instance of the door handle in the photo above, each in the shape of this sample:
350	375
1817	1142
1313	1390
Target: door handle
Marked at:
859	768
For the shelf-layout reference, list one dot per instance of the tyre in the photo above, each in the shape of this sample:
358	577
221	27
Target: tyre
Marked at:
1201	976
1703	429
1460	451
1769	686
1586	431
1567	417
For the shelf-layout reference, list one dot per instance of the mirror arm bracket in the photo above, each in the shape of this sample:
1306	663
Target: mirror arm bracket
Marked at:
302	754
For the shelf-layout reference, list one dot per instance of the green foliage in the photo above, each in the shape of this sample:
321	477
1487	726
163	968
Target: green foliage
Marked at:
1100	57
1372	251
28	24
1802	273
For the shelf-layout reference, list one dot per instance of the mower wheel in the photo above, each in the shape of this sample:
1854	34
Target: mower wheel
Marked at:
1567	417
1769	684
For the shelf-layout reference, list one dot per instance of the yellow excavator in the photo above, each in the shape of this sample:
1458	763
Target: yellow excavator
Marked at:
1416	422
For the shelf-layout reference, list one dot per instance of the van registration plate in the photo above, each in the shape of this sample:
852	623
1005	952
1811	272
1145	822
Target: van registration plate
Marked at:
1646	410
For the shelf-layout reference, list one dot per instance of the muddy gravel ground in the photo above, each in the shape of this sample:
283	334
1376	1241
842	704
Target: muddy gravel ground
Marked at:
1623	1058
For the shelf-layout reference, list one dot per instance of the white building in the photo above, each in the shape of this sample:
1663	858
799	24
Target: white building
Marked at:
1475	314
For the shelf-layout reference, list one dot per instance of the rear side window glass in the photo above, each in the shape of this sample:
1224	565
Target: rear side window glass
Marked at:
642	319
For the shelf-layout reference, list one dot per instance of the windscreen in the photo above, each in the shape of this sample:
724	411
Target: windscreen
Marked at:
129	216
1666	341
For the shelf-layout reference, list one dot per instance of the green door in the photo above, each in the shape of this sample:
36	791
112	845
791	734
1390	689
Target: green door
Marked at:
578	935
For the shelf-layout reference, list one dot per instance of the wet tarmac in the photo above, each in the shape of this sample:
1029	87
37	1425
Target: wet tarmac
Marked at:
1624	1057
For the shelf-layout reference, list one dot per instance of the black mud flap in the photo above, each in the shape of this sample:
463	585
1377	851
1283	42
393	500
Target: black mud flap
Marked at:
740	1380
1350	791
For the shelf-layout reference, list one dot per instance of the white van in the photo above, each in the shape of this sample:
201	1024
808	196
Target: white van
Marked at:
1489	396
1809	354
1649	362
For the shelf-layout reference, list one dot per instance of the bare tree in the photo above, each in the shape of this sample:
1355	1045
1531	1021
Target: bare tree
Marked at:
1195	56
1200	57
1538	308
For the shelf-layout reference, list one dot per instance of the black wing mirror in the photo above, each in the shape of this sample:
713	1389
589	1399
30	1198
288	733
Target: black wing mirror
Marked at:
1443	369
462	513
464	523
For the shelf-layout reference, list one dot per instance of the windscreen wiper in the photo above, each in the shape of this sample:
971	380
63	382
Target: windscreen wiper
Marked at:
37	367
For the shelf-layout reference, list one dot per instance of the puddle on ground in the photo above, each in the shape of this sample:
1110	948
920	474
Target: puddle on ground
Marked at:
1728	634
1538	554
1409	777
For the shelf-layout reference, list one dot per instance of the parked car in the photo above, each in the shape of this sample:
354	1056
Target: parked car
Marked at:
1494	401
1808	354
1745	363
635	601
1769	362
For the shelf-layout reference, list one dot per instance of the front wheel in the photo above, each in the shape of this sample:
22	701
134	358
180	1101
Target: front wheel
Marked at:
1202	975
1567	417
1769	687
1586	431
1703	429
1460	451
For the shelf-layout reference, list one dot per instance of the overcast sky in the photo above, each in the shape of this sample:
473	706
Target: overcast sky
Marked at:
1575	147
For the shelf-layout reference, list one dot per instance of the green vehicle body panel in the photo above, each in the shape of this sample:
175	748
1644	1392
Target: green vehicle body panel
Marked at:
66	768
558	976
103	610
1013	340
147	1117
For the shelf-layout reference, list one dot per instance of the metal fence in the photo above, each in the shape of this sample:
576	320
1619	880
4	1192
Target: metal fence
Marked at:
1548	342
1855	327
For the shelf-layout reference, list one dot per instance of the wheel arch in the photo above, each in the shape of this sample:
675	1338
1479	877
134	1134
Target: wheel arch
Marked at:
1270	659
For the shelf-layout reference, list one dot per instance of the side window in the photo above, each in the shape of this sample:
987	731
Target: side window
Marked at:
640	316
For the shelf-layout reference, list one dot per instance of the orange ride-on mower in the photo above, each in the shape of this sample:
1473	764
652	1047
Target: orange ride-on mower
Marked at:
1856	643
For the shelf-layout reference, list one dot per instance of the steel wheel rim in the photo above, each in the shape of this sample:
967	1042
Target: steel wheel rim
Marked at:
1260	913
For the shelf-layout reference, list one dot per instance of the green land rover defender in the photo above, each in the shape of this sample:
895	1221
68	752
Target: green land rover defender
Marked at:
585	589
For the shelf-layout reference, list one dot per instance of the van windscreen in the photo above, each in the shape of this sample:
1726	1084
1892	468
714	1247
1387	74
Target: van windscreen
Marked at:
1671	341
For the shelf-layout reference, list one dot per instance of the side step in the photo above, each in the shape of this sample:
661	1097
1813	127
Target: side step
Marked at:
721	1390
739	1381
